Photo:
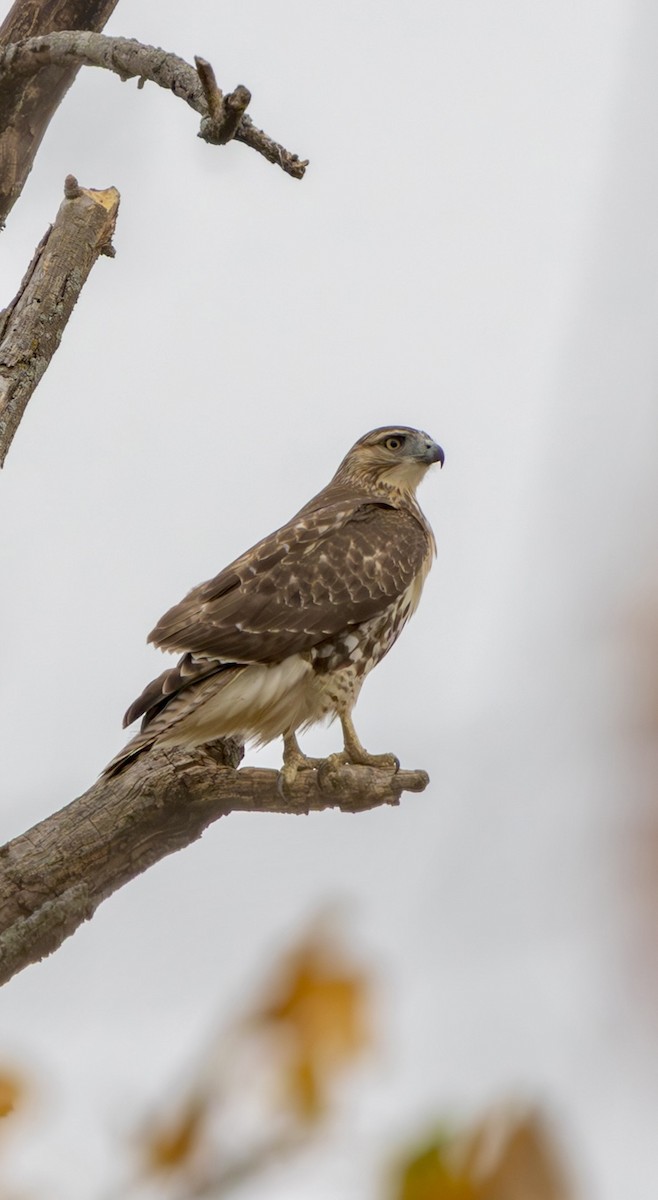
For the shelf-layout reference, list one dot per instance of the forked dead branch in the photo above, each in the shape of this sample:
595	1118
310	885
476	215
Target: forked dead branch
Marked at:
222	116
31	327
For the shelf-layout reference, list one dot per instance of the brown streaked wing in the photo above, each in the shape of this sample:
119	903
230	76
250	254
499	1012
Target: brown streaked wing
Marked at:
331	568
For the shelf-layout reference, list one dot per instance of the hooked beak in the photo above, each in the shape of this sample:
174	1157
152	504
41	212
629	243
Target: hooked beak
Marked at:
432	453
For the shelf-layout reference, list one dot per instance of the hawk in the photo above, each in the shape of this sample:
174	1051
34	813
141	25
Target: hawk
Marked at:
287	633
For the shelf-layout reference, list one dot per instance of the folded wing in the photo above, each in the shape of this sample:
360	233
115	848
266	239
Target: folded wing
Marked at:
332	567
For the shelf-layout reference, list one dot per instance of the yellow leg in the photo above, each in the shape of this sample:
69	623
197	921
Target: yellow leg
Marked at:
355	753
295	760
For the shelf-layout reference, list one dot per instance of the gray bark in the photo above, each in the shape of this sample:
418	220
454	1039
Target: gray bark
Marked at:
53	877
31	326
28	102
222	116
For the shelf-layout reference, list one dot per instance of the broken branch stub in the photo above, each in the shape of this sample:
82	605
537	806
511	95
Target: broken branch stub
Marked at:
32	325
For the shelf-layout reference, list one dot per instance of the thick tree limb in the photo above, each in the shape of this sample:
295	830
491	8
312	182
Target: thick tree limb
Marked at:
27	103
223	117
31	326
53	877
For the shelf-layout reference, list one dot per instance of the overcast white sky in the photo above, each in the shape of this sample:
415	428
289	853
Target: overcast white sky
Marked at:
474	250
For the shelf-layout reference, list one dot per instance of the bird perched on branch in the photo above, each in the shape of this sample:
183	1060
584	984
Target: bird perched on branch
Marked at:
287	633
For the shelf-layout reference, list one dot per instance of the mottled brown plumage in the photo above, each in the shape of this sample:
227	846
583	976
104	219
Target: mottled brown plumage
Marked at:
286	634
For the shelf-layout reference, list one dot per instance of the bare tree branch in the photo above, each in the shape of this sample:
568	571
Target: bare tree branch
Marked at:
27	103
31	326
223	117
53	877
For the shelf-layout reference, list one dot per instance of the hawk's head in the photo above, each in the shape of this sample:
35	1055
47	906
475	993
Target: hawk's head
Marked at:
394	455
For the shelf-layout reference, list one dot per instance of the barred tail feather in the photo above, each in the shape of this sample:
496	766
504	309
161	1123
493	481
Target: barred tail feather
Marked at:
203	699
165	702
130	752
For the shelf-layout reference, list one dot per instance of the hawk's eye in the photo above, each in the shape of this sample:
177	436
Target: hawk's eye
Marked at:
394	443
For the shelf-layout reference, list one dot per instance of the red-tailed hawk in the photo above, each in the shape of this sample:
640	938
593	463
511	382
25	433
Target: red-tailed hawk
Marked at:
286	634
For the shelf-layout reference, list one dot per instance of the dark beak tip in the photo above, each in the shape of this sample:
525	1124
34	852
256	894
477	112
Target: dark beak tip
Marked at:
439	456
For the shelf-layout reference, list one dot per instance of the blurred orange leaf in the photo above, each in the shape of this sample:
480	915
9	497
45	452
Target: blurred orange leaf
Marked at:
319	1010
11	1092
496	1159
304	1087
173	1147
429	1175
527	1166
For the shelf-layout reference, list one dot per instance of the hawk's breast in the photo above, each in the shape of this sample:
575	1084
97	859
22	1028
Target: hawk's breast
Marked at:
364	645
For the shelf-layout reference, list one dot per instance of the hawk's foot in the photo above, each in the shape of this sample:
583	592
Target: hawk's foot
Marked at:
355	753
360	758
294	760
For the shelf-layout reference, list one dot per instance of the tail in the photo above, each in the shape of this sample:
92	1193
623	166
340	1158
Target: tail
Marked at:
159	714
125	757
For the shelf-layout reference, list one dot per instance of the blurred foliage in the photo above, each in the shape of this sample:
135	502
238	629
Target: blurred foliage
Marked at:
639	903
318	1009
307	1026
499	1158
266	1087
12	1090
430	1175
170	1146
